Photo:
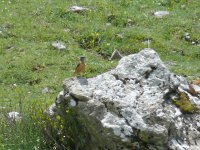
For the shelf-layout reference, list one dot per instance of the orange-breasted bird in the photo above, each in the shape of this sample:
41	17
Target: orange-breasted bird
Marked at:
81	66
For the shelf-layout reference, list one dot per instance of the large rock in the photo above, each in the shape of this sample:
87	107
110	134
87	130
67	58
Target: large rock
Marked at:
131	106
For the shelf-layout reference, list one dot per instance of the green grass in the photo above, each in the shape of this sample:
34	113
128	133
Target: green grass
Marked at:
19	135
27	29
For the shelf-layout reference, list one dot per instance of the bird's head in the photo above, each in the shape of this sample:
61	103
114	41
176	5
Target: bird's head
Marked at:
82	58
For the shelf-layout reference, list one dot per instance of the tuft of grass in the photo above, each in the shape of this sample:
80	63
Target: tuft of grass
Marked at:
66	131
90	41
22	134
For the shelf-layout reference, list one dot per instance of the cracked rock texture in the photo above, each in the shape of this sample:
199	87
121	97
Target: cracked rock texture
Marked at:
130	107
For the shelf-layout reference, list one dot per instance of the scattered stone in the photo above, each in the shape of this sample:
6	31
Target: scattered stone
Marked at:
46	90
116	55
59	45
108	44
147	42
187	36
51	110
72	103
110	17
195	42
78	9
183	6
66	30
14	116
14	85
130	23
131	106
161	14
108	24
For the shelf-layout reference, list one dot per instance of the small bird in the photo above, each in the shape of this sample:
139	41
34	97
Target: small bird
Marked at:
81	66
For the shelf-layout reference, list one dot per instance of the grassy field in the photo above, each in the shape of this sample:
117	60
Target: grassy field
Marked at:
29	63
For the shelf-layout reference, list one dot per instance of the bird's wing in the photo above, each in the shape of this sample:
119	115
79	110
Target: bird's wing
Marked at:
77	66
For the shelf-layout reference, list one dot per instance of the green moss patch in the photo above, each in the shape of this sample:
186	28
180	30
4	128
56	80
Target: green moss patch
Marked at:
184	103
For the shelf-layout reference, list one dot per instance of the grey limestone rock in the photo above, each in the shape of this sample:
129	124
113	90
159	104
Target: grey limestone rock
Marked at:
130	107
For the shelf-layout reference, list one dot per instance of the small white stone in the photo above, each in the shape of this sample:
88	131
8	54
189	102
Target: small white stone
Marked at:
193	42
14	116
77	9
161	14
59	45
72	103
108	24
67	30
45	90
198	124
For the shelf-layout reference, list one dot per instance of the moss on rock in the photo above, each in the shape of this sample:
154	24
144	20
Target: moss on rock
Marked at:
184	103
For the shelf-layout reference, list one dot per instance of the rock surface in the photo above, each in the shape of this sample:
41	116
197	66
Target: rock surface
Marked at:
130	107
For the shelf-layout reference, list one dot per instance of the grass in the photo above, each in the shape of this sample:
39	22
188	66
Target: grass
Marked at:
19	135
27	28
